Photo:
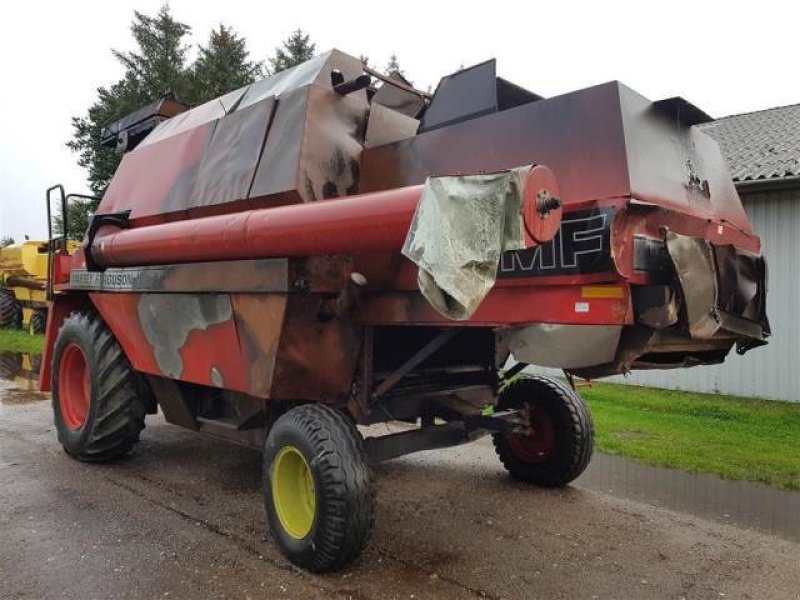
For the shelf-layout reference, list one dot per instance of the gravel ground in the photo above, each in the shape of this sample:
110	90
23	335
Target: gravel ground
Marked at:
183	518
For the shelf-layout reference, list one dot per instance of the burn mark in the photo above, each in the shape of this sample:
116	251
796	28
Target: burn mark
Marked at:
168	319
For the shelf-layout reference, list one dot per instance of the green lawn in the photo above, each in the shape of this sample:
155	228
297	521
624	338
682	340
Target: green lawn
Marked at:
16	340
737	438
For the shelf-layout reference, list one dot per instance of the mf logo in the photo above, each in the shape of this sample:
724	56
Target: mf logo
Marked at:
580	246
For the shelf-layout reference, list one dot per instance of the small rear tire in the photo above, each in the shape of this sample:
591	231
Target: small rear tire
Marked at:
38	322
99	401
318	490
10	311
559	445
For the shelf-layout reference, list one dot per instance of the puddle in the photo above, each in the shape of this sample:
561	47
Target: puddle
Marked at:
739	503
19	378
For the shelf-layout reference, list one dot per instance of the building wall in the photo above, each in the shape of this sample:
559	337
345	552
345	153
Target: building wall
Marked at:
771	371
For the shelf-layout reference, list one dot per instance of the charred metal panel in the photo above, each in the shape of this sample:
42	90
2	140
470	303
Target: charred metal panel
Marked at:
578	135
201	115
212	157
397	99
317	359
463	95
229	163
386	126
259	321
694	265
655	305
277	169
157	178
676	166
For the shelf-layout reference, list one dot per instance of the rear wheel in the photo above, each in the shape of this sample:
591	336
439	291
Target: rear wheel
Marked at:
318	490
559	441
99	401
10	311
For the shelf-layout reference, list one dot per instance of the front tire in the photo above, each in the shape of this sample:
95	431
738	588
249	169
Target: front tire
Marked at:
559	445
99	401
318	490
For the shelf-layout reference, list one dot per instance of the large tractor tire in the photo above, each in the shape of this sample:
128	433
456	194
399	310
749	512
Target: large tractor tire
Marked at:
38	322
99	401
318	490
10	311
558	446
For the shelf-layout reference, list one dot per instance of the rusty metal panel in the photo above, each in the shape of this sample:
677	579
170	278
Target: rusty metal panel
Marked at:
229	162
201	115
579	136
675	166
159	178
277	169
259	321
314	145
316	359
386	126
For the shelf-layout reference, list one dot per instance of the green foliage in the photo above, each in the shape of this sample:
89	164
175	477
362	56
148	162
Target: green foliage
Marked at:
221	66
737	438
6	241
17	340
296	49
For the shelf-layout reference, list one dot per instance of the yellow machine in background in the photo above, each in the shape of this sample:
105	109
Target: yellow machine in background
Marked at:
23	274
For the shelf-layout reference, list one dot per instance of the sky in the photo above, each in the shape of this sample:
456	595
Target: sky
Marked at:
725	57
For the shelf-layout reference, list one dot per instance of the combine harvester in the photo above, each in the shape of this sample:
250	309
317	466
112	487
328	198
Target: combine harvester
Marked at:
312	252
23	273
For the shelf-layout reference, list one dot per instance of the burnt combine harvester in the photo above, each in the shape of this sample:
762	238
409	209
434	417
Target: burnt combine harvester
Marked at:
310	253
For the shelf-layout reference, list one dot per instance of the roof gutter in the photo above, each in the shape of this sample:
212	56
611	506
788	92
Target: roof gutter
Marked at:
750	186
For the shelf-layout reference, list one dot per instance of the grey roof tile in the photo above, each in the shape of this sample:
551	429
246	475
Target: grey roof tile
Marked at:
760	145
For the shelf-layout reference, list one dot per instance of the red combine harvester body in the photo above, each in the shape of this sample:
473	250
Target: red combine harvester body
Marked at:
311	253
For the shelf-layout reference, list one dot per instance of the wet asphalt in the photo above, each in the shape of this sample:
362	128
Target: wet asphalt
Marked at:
183	518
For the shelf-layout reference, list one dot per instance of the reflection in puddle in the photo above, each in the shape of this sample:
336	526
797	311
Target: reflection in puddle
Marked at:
735	502
19	378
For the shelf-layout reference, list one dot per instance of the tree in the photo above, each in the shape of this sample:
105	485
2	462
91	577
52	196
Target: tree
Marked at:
221	66
6	241
394	67
296	49
157	65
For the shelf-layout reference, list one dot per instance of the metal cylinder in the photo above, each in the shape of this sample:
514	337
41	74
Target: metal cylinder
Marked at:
367	223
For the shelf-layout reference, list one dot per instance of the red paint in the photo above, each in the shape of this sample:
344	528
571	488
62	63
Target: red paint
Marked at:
503	307
359	224
74	386
57	311
537	445
217	347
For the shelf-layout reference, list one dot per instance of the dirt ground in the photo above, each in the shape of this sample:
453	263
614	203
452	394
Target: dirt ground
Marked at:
183	518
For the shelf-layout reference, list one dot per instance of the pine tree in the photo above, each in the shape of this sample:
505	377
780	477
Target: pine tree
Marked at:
159	64
296	49
156	67
394	67
221	66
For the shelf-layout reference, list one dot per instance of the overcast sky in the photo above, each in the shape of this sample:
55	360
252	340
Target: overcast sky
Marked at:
725	57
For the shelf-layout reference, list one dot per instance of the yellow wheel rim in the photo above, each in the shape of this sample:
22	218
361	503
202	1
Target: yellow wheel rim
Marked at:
293	492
